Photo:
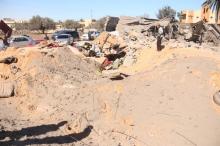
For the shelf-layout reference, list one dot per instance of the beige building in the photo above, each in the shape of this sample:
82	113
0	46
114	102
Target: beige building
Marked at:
205	13
208	15
197	16
187	16
10	22
86	22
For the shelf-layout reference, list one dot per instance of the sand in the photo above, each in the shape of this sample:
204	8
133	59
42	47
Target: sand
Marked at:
167	100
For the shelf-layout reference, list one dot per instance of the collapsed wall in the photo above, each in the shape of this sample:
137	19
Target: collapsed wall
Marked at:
111	23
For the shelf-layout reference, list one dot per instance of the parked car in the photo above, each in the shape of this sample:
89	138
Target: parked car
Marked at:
1	45
74	34
85	37
93	35
21	41
64	38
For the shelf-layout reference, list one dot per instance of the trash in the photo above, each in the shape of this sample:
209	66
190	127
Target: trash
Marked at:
110	58
105	64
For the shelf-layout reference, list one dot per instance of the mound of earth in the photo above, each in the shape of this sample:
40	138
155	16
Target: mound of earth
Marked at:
40	73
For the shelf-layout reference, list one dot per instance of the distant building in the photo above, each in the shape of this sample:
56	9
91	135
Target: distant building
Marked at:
59	26
205	13
86	22
187	16
208	15
11	22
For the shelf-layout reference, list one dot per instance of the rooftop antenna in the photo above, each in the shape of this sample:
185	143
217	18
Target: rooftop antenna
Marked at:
91	15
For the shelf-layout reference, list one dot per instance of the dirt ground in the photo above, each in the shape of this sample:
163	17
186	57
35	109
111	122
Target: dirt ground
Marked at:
167	101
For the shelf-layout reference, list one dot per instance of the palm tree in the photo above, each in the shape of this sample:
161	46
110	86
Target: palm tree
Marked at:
215	6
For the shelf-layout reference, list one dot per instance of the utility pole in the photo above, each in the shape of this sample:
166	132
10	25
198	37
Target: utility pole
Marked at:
91	17
91	14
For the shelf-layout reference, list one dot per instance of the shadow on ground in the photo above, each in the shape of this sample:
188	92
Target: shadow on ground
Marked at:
15	136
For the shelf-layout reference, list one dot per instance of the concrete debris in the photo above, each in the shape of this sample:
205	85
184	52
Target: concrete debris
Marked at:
9	60
6	89
111	23
107	40
131	34
216	98
135	33
7	32
202	32
130	58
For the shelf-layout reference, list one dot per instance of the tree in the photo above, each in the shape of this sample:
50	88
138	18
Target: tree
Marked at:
99	24
81	20
22	26
179	15
40	23
146	15
166	12
71	24
215	6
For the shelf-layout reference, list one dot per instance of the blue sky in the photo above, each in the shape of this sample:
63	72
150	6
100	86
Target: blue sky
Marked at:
77	9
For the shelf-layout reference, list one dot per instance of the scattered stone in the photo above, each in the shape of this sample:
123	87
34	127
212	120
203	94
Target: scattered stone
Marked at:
9	60
216	98
6	89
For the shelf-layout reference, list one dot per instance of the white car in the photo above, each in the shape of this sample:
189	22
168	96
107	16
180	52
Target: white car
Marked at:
64	39
1	45
85	37
21	41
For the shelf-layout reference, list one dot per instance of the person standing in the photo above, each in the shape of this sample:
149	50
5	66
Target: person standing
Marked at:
160	37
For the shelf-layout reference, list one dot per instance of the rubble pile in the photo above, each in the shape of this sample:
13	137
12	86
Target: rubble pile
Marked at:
132	34
110	44
200	33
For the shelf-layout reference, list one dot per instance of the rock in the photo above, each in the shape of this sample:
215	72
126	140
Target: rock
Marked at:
116	64
173	45
187	36
133	38
107	40
9	60
129	60
216	98
14	69
6	89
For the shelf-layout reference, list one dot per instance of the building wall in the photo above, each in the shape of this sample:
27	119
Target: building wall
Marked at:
86	23
218	18
197	16
208	15
188	16
205	14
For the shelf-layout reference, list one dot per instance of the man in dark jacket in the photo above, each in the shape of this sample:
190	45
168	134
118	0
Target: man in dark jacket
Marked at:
160	37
